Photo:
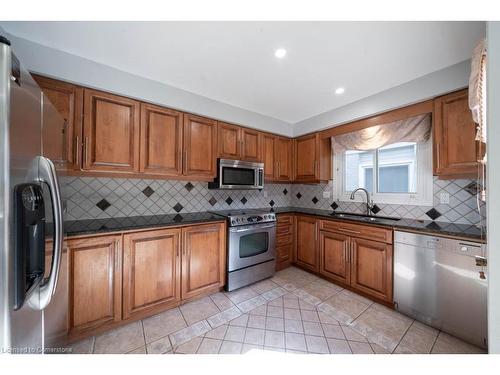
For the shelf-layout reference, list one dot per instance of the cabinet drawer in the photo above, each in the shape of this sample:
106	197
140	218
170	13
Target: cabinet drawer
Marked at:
369	232
284	239
283	230
285	219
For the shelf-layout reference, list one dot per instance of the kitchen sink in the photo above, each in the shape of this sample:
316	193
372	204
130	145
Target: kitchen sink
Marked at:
372	218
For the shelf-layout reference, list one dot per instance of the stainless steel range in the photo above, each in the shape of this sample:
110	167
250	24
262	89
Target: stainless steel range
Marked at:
251	246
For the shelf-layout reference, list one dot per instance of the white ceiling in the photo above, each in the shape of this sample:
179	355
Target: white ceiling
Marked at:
234	62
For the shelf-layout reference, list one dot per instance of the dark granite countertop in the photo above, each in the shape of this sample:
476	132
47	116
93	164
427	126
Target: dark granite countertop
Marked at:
96	226
425	226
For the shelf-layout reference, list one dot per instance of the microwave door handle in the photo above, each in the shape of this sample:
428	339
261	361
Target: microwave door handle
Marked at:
47	174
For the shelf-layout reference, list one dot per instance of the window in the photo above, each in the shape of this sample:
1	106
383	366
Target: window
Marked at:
399	173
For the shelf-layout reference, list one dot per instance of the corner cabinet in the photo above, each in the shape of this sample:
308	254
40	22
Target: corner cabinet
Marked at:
313	159
200	147
456	152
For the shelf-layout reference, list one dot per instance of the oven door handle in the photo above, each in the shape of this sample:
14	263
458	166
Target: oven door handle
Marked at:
251	227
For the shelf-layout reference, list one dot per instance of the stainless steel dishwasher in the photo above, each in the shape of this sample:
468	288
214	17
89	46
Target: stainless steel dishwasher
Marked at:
438	282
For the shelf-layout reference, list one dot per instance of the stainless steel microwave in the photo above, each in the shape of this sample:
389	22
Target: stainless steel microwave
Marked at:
238	175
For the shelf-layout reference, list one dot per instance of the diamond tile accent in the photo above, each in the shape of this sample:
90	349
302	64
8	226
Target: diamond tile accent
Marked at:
375	209
473	188
299	195
189	186
243	200
178	207
334	206
212	201
148	191
315	200
433	213
285	192
103	204
271	203
229	200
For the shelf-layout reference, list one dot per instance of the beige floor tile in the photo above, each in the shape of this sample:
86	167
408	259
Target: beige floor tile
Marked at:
447	344
338	346
419	339
120	340
294	326
257	321
186	334
274	293
292	314
289	287
278	302
159	346
217	333
333	331
295	341
189	347
360	347
377	349
325	318
274	339
224	317
313	329
240	321
236	334
352	335
306	306
251	304
263	286
291	303
163	324
321	290
317	344
140	350
239	295
343	307
309	316
209	346
252	349
82	347
382	326
230	347
198	310
275	324
260	310
222	302
274	311
254	336
269	349
306	297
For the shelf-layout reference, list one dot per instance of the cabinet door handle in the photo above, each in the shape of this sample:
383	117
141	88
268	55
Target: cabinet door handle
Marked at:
86	151
438	155
77	150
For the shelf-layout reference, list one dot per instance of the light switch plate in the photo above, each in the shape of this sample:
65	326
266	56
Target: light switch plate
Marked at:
444	198
265	194
326	194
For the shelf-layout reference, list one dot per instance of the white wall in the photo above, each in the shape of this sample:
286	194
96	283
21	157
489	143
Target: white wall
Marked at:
493	188
76	69
431	85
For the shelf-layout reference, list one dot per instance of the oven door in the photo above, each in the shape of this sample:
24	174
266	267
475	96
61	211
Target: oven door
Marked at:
251	244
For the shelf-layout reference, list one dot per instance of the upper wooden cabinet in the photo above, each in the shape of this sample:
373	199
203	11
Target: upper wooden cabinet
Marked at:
238	143
313	159
306	235
456	153
111	132
284	159
61	131
200	146
268	147
161	141
151	271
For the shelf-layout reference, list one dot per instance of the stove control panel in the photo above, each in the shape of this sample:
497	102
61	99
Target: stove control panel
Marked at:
252	219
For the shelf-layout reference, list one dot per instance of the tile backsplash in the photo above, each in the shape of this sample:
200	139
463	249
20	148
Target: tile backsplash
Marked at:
93	198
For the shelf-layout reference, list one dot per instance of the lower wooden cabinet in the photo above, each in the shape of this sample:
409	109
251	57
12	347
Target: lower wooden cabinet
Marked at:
306	232
203	259
151	271
95	288
284	241
333	256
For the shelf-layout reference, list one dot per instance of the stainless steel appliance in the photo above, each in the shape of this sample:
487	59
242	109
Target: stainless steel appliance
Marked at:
251	246
238	174
438	282
32	319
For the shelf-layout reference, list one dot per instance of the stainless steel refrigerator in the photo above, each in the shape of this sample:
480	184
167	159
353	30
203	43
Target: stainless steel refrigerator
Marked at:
33	295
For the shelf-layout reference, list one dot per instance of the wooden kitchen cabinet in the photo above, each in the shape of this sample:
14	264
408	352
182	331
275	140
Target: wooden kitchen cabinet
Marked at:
306	232
313	159
161	141
203	259
200	147
284	241
284	159
151	271
334	256
111	133
61	131
229	141
456	152
95	287
371	268
268	156
250	145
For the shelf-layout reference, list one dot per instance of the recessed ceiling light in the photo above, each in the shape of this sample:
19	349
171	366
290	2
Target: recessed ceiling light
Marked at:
339	90
280	53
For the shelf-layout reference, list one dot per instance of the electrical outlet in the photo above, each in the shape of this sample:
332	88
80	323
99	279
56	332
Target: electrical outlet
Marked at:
265	194
444	198
326	194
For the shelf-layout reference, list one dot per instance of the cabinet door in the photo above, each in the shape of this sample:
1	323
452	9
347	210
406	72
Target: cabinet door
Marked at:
161	141
283	157
306	160
95	282
229	141
283	256
306	238
151	271
371	268
203	259
200	147
455	148
111	133
268	145
333	256
250	141
61	131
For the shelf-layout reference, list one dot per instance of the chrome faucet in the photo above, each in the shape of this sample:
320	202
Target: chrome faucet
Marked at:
369	204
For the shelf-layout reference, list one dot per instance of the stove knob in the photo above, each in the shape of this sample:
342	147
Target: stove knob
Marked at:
233	221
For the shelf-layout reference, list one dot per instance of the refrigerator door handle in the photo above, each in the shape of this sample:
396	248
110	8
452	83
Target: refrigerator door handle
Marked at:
47	174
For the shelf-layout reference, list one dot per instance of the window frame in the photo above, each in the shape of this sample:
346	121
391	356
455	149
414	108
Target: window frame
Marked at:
423	196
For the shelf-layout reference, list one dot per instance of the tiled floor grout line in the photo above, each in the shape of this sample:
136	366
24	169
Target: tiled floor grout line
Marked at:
144	337
435	340
402	337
